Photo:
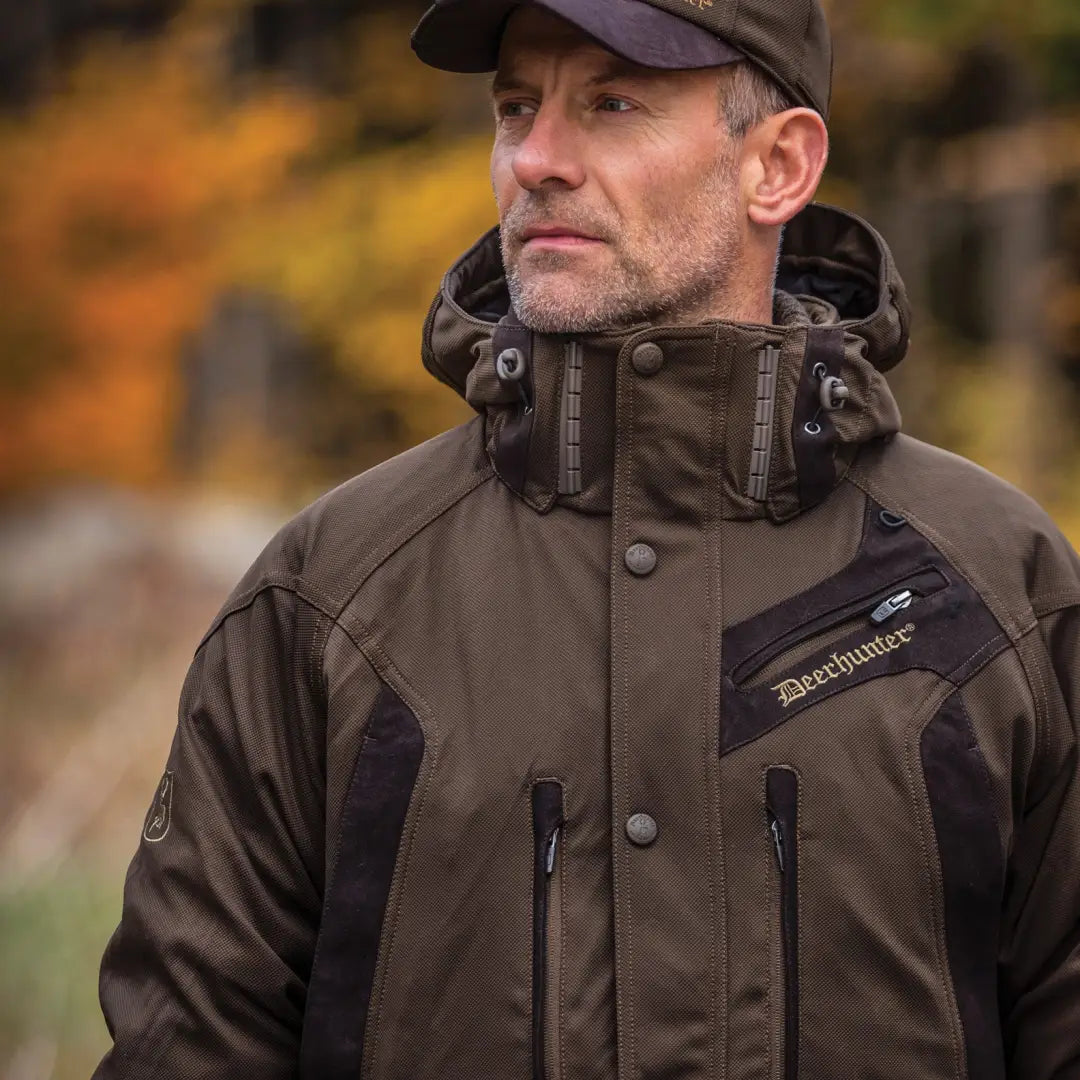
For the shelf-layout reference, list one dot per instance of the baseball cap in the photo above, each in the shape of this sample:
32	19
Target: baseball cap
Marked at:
789	39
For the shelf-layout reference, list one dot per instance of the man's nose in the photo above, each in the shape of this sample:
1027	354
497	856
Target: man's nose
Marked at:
550	151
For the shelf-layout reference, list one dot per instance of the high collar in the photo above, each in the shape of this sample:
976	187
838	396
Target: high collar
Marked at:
734	405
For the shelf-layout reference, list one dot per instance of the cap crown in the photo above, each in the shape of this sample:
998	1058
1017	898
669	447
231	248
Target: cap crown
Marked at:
790	39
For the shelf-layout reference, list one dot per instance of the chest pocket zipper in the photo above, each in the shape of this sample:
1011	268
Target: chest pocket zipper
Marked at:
877	612
547	808
781	804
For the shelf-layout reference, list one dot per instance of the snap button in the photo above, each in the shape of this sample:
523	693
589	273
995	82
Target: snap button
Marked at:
640	559
647	358
642	830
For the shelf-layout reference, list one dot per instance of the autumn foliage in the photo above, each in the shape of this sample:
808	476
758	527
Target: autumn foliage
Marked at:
153	179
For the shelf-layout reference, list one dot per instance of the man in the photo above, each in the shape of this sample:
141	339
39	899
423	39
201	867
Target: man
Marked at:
676	717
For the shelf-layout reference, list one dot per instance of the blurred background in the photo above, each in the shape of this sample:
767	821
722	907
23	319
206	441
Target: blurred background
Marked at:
221	225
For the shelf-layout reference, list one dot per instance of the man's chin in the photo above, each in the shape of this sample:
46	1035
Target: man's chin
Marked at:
566	296
551	314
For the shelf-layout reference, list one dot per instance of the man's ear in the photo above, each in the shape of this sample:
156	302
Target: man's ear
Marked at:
783	157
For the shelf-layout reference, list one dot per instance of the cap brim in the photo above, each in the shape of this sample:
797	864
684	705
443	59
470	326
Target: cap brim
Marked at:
464	35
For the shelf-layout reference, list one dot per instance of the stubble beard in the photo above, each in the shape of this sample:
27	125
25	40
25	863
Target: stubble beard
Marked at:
670	272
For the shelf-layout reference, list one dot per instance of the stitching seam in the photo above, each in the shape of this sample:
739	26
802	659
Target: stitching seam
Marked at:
413	528
1054	602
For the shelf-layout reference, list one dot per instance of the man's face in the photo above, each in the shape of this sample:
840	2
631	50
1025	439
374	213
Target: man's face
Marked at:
617	185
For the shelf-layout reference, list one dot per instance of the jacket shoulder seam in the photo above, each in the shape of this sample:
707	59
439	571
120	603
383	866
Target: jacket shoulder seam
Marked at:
273	580
1052	603
407	532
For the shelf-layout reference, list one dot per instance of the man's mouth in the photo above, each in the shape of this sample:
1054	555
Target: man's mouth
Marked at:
556	237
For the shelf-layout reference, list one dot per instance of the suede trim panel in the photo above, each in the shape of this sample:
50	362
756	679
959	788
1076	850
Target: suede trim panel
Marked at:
972	877
372	823
947	629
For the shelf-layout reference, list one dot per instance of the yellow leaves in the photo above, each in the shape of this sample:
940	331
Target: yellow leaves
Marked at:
361	253
389	86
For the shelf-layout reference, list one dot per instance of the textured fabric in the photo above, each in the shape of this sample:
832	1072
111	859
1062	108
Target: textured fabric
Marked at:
517	648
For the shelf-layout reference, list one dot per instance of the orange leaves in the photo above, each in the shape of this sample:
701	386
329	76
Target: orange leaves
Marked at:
116	198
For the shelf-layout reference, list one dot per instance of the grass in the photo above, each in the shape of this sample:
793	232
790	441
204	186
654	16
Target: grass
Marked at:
52	936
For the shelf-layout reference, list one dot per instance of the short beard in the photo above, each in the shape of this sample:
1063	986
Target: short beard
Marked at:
684	261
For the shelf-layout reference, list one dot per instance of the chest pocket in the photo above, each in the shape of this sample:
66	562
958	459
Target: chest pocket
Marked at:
896	606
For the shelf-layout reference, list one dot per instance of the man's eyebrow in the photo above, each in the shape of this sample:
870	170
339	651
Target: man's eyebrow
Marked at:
504	81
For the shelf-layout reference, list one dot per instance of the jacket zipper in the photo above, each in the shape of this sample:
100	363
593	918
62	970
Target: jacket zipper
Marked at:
781	802
547	805
873	612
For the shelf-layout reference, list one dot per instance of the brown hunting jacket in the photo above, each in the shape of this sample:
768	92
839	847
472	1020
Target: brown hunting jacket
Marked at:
674	719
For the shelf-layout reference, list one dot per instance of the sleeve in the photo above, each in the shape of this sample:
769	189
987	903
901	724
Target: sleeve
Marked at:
206	974
1040	970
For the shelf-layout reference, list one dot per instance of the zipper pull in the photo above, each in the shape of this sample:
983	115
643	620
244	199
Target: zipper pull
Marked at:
778	840
553	843
888	608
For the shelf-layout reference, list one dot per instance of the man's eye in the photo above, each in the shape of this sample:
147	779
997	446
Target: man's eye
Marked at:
512	110
614	104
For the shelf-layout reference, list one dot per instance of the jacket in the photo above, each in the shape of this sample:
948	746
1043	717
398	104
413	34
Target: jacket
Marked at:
676	717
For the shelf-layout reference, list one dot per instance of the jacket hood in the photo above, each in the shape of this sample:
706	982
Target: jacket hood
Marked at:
795	398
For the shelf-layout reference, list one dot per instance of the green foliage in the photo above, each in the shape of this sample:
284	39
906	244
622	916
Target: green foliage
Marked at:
53	935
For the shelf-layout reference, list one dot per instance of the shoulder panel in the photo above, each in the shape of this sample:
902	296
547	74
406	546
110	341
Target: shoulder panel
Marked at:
327	551
1000	539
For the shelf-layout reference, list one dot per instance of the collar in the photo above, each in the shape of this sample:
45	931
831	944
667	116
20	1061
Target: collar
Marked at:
770	416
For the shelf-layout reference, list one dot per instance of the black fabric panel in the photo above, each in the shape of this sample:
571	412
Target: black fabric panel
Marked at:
511	452
953	632
372	823
814	453
972	876
547	814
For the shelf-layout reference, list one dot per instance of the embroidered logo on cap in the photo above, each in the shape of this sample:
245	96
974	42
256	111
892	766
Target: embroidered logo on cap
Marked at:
159	818
843	664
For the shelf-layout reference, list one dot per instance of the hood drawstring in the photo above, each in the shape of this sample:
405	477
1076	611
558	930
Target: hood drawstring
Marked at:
833	394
